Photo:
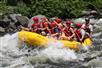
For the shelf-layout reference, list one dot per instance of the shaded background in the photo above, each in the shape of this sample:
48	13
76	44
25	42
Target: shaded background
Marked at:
50	8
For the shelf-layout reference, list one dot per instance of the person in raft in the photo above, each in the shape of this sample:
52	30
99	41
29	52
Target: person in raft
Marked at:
81	34
32	27
68	31
88	27
36	25
44	27
55	29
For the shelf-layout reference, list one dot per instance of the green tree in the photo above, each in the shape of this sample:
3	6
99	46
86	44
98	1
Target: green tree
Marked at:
50	8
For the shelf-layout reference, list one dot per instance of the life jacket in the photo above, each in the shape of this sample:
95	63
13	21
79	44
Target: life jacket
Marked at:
58	20
55	30
44	24
60	26
53	24
37	24
52	31
67	31
54	27
87	29
78	34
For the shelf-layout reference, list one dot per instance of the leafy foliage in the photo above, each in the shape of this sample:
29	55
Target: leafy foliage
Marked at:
6	9
50	8
22	9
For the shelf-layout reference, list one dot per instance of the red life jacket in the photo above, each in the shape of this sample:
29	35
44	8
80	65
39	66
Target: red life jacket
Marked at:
60	26
52	31
58	20
53	24
78	33
67	31
44	24
37	24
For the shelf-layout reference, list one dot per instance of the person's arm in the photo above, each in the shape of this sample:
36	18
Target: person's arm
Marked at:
83	34
65	33
54	34
41	28
73	34
83	25
77	36
91	30
34	30
48	30
58	26
24	28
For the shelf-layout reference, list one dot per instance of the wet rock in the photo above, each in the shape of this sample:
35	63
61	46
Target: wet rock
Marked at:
6	19
92	55
89	12
82	20
22	20
93	12
97	35
98	26
4	24
97	29
12	26
97	47
97	41
2	30
99	22
95	63
86	12
13	17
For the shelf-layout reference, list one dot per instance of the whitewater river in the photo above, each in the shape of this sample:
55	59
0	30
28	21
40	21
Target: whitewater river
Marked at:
52	57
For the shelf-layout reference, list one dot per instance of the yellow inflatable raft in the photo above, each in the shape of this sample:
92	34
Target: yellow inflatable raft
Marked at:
35	39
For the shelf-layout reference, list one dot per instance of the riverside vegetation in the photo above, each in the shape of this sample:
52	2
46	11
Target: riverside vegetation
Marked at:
50	8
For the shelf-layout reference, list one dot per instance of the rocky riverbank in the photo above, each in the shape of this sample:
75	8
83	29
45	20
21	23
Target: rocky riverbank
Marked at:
10	23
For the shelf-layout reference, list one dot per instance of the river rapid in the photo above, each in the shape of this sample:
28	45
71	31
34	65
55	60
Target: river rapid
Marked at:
52	57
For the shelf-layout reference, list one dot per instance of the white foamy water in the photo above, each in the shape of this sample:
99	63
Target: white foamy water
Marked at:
9	52
9	43
56	54
13	57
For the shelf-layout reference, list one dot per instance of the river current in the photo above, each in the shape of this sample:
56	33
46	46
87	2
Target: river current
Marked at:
52	57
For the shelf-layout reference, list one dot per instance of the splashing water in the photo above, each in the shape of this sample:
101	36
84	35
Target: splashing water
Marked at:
10	54
13	57
56	53
8	43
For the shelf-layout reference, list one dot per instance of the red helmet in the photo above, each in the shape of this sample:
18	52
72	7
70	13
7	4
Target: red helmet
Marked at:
43	19
53	24
35	19
58	20
68	22
79	25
